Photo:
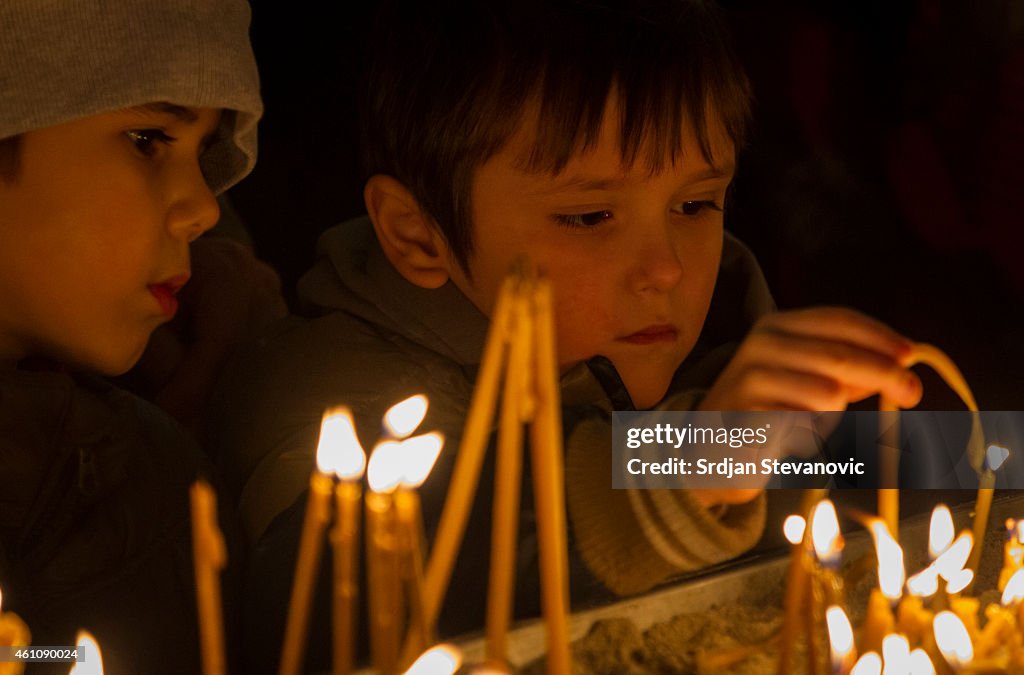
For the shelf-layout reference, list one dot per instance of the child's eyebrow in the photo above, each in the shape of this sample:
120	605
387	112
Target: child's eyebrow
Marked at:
586	183
184	114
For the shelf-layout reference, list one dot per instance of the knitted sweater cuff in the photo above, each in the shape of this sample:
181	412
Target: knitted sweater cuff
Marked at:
634	539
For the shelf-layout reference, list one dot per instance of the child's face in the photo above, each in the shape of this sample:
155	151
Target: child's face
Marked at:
94	233
633	257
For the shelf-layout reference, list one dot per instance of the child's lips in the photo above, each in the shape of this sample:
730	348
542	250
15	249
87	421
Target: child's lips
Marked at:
652	335
165	291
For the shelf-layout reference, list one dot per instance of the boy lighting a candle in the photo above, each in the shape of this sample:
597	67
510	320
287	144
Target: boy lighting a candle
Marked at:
598	141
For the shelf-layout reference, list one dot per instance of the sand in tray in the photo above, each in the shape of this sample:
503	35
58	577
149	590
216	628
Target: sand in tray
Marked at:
734	639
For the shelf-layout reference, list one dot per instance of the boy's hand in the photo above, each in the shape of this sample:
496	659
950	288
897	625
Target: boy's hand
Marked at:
815	359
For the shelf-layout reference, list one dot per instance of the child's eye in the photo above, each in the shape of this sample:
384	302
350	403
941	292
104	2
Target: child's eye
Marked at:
695	207
145	140
583	221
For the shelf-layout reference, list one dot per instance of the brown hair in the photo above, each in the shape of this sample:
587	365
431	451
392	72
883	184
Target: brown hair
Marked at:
450	81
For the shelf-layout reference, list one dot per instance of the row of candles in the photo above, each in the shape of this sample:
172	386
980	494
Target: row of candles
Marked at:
913	626
404	595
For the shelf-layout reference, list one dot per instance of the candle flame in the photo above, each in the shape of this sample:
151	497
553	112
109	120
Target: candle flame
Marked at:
891	571
384	471
828	542
895	654
793	528
402	418
1020	531
840	633
952	639
941	532
868	664
961	580
1014	591
955	557
920	664
1	598
339	450
419	455
92	658
925	583
995	456
443	659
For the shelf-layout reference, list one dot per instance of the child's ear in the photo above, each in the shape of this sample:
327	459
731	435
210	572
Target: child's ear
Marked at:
406	233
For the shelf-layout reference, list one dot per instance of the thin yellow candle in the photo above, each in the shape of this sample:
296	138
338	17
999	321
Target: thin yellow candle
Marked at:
338	435
840	638
889	457
419	454
308	560
92	657
888	498
466	473
549	487
383	473
799	537
508	474
209	556
891	574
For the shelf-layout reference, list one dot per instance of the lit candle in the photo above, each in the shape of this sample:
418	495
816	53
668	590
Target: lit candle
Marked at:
891	573
402	419
515	411
549	486
419	454
209	556
383	473
953	640
920	663
868	664
441	659
840	638
91	662
1001	625
1013	551
895	654
338	433
940	532
310	548
995	457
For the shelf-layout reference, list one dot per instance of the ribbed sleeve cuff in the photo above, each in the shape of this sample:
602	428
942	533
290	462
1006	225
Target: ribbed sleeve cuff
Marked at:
634	539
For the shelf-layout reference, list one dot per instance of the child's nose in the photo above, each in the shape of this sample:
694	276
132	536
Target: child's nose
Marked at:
657	267
194	210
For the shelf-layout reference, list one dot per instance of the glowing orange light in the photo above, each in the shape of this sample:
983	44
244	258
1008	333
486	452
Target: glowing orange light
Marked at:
442	659
941	532
952	639
402	418
339	451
